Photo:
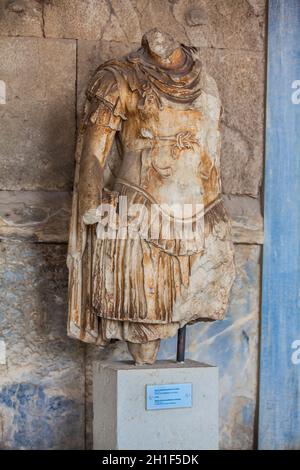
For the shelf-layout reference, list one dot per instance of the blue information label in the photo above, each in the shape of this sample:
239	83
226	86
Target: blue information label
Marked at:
167	396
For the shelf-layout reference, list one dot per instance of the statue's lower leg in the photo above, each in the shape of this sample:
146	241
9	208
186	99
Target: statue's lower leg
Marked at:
144	353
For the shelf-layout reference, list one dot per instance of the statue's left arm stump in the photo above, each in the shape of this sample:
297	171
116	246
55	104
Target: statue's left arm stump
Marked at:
180	412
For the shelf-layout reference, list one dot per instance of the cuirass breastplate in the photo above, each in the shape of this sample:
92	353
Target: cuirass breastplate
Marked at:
171	153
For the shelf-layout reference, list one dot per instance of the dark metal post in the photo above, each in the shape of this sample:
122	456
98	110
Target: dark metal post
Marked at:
181	344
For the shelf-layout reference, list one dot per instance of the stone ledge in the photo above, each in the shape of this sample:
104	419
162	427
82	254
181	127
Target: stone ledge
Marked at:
35	216
43	217
247	221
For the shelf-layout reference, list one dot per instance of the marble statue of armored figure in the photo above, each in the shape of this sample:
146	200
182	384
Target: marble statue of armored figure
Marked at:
149	138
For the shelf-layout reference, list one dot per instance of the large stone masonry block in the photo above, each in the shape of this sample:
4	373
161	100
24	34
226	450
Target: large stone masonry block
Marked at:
76	18
240	78
109	20
42	385
230	24
37	130
223	24
21	18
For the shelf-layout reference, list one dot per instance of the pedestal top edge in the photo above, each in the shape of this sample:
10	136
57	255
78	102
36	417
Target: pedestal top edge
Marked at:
163	364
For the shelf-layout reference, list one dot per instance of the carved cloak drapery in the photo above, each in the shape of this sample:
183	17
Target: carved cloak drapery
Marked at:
83	323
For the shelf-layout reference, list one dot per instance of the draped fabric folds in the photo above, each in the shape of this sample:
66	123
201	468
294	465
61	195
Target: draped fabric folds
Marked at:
154	274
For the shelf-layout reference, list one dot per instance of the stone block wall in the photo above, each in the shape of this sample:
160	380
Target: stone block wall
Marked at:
49	49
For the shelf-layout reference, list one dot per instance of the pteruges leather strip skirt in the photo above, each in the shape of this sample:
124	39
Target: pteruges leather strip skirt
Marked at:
136	281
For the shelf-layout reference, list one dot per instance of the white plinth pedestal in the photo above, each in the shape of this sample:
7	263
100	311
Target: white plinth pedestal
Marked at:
122	420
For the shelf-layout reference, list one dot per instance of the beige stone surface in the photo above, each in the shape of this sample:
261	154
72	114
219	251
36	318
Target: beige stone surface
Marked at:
76	18
230	24
37	130
240	79
116	351
258	6
234	24
159	14
21	18
123	420
123	24
110	20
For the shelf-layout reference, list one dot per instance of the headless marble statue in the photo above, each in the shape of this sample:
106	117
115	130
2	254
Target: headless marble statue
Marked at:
150	134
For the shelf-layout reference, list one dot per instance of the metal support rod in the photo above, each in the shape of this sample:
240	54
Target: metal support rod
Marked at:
181	344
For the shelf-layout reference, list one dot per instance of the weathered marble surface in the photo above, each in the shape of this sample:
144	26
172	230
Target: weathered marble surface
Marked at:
42	382
37	130
240	79
232	344
169	153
